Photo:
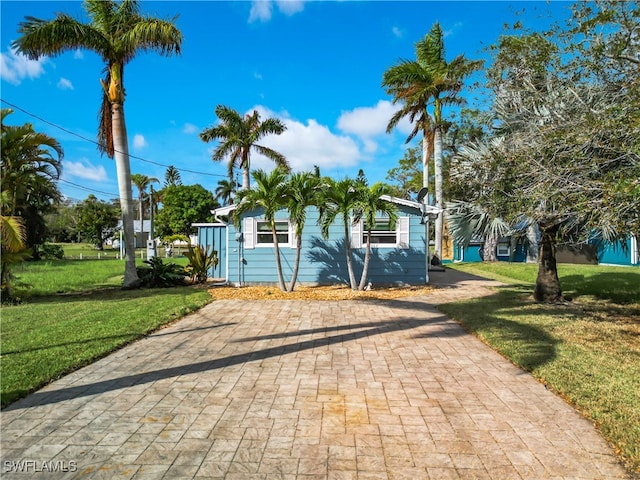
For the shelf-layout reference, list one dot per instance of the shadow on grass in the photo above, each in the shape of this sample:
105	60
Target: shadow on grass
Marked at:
618	287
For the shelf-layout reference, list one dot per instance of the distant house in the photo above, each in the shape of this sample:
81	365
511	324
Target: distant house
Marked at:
247	255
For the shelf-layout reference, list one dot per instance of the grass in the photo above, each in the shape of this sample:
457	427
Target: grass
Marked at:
587	351
75	313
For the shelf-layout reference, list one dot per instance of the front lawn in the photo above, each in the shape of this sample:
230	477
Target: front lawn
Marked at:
587	351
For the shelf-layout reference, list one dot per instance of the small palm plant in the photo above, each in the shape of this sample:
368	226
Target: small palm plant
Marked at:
200	261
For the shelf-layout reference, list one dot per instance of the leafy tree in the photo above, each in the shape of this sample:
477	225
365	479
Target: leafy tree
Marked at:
225	191
303	190
339	199
406	178
97	220
429	80
61	222
239	135
183	205
172	177
116	32
30	167
270	194
369	204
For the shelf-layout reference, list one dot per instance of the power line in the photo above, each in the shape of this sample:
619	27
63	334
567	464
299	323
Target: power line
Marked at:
96	143
82	187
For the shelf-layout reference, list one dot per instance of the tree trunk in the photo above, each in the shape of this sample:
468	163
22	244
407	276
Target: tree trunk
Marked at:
347	247
367	257
425	162
296	266
281	283
547	283
489	249
123	171
532	237
437	162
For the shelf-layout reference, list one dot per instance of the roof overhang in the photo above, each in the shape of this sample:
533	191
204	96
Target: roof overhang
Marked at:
422	207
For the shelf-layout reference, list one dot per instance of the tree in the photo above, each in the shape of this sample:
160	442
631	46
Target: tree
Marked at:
430	79
406	179
116	32
12	251
172	177
369	204
61	223
303	191
225	191
238	136
338	199
182	206
269	194
142	182
97	220
30	166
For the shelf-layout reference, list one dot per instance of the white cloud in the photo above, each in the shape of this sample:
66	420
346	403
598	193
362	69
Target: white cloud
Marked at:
397	32
370	122
257	75
262	10
189	128
78	55
139	141
14	67
307	144
84	169
65	84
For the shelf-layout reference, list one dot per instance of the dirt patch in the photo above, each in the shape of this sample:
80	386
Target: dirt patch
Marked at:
335	292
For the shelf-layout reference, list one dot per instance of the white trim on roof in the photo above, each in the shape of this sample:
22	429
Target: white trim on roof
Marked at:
411	203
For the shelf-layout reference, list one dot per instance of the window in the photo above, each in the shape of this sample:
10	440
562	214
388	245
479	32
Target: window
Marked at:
503	250
381	234
264	237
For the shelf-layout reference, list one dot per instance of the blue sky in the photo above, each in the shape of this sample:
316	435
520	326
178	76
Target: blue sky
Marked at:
318	66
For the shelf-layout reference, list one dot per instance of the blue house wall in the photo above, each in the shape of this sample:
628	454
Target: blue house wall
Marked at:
618	253
322	262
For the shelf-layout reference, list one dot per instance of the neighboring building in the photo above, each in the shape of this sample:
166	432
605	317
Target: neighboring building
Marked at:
398	256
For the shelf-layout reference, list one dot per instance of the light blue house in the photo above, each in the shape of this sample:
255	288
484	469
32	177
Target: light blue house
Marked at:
246	254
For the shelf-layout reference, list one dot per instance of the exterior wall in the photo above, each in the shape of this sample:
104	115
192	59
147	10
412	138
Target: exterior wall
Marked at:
473	253
616	254
323	262
214	236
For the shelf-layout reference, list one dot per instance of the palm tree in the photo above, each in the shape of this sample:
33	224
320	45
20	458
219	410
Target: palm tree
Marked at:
269	194
172	177
303	191
225	191
116	32
238	136
12	251
142	182
429	80
367	207
339	198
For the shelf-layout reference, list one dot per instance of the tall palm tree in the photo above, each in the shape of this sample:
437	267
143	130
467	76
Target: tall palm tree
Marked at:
418	84
225	191
270	194
367	207
303	191
116	32
339	198
238	135
142	182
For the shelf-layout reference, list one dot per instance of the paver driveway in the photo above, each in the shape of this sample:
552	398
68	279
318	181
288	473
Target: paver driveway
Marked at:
305	390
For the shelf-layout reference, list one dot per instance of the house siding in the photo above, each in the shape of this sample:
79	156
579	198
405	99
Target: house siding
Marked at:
322	262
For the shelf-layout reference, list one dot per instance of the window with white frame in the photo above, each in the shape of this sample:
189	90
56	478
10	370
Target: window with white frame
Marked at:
382	235
503	250
264	236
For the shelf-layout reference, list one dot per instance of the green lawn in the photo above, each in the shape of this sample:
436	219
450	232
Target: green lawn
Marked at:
74	313
587	351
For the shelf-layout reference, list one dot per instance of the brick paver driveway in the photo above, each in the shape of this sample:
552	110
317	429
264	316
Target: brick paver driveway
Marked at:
305	390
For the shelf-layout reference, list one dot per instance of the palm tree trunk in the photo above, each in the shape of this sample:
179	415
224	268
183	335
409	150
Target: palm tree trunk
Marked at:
425	162
365	268
489	248
437	161
532	237
281	283
296	266
547	283
123	171
347	246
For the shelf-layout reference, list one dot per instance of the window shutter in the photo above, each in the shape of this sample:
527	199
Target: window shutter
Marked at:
292	235
249	232
402	232
356	234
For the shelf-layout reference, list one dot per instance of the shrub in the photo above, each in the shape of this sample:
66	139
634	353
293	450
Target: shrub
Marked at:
50	250
200	262
160	275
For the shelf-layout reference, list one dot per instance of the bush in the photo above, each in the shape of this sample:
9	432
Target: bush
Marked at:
160	275
200	262
50	250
